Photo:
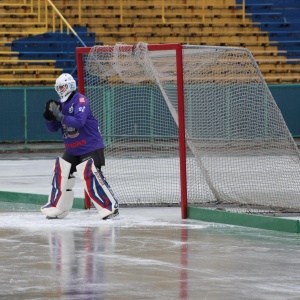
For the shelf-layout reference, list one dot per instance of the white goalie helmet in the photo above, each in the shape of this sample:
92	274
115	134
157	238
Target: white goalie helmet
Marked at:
64	86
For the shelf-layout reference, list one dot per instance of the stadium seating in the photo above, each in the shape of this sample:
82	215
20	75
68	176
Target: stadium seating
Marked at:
283	28
57	46
29	52
267	29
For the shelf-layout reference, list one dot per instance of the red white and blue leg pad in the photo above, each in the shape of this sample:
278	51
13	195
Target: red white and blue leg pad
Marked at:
98	189
61	197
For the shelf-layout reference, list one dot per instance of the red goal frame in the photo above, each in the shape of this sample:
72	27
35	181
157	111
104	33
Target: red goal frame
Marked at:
81	51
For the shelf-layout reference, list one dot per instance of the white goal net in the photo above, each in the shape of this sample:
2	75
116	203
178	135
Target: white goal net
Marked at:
239	151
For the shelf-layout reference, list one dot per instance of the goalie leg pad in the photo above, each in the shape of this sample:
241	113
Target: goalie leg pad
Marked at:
60	200
97	188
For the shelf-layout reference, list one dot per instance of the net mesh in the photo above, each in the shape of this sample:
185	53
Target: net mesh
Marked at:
240	153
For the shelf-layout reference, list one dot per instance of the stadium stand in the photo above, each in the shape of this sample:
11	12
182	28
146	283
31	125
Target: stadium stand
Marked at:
280	19
284	29
30	42
53	45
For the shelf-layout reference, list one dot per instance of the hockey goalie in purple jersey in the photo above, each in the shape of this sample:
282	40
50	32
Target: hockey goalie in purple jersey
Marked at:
84	153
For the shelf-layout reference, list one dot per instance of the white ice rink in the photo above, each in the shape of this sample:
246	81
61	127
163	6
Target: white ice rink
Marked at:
145	253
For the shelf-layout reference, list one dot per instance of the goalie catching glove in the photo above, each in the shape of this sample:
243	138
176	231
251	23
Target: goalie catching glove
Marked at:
53	111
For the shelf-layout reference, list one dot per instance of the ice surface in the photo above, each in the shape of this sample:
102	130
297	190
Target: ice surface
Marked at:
145	253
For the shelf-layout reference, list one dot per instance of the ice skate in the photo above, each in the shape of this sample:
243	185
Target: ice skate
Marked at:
112	215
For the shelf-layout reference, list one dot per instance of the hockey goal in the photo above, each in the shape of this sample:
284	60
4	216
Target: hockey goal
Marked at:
190	125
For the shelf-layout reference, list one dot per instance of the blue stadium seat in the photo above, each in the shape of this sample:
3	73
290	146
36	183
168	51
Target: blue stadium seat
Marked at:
281	19
57	46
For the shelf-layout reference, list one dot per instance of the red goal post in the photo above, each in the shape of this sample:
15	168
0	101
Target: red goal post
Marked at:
204	112
81	52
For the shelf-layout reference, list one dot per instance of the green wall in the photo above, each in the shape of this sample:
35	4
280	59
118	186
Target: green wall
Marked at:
21	112
287	97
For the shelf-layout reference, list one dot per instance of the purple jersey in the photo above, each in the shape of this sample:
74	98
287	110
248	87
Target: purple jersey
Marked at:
80	130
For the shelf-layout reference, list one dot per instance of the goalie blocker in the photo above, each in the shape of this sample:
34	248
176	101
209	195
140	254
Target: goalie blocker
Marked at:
61	198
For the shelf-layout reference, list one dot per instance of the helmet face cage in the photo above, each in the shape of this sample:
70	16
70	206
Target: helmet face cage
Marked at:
65	84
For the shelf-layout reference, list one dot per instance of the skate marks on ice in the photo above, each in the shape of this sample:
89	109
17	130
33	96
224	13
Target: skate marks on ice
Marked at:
145	253
26	216
82	256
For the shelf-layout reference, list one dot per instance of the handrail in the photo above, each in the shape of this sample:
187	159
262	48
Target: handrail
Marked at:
121	11
31	5
202	11
55	12
162	11
63	21
243	10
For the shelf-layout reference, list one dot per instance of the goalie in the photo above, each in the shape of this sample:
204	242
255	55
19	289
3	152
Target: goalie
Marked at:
84	153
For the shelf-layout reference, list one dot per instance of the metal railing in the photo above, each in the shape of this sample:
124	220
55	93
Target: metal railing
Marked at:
163	10
43	12
63	23
203	10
